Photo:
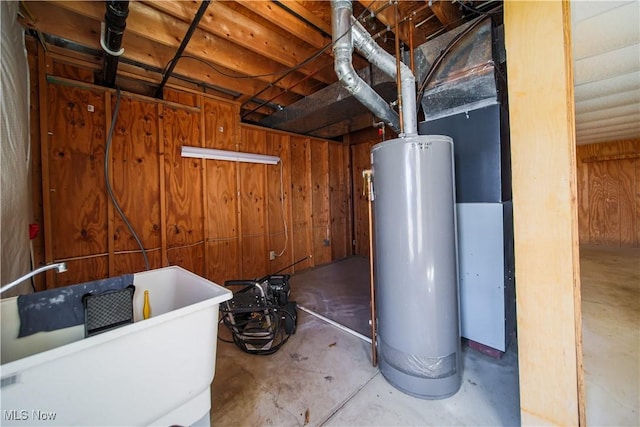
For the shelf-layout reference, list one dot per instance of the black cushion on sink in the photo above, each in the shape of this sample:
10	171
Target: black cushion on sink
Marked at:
61	307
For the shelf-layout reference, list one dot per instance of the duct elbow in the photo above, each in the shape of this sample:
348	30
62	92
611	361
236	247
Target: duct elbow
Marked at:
343	39
346	75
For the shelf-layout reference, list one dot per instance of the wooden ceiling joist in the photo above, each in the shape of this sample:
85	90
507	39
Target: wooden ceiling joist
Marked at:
448	14
271	52
288	22
293	25
235	27
304	13
160	28
51	19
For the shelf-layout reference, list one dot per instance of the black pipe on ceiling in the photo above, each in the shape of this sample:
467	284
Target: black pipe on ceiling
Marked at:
111	38
183	45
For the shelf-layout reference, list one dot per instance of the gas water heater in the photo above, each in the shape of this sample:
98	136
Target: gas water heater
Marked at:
415	265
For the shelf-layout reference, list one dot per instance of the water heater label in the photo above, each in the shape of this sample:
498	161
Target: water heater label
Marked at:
423	145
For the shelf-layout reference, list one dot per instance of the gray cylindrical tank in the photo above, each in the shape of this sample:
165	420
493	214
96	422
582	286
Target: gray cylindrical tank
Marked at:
415	265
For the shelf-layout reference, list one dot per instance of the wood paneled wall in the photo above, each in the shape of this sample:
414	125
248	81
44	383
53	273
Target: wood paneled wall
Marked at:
361	159
218	219
609	193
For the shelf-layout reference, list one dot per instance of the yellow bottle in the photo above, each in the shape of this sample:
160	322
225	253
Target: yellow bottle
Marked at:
146	308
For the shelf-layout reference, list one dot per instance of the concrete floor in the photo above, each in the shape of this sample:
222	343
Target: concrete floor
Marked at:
610	284
323	375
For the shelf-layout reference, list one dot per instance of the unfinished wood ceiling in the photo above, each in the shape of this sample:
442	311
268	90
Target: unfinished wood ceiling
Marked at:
264	54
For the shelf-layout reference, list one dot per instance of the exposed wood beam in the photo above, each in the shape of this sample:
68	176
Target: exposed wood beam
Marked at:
545	212
202	9
288	22
300	10
53	20
160	28
386	15
447	13
237	28
295	26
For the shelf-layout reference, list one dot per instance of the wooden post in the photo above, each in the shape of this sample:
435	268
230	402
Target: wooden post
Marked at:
111	228
542	126
163	192
205	205
44	65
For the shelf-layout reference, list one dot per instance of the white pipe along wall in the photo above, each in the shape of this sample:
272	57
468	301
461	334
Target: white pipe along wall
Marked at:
15	197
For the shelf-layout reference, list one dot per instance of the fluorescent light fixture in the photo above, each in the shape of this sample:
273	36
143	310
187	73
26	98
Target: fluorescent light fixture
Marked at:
232	156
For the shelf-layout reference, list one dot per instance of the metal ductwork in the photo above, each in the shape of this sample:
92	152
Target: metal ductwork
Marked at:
364	43
341	11
111	38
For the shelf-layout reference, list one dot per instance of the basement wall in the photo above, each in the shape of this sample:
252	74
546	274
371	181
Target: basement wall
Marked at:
361	144
217	219
609	193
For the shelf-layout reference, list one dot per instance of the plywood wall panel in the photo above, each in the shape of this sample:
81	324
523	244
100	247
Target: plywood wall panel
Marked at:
278	187
611	208
255	257
252	198
220	120
278	242
134	153
180	97
609	193
185	224
608	151
71	72
223	261
637	200
542	132
84	270
626	195
36	164
338	200
164	195
221	198
361	158
126	263
222	218
320	202
188	257
76	158
253	208
582	176
597	202
301	200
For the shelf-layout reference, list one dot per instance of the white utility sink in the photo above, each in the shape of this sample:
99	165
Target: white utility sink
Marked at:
152	372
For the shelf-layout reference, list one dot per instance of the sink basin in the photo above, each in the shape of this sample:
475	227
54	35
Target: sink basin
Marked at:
156	371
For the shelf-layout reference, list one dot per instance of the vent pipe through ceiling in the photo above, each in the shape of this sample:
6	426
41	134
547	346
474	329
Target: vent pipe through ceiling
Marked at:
111	38
347	34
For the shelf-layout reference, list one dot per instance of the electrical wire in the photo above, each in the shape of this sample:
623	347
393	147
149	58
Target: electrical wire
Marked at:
284	215
107	179
219	71
479	12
